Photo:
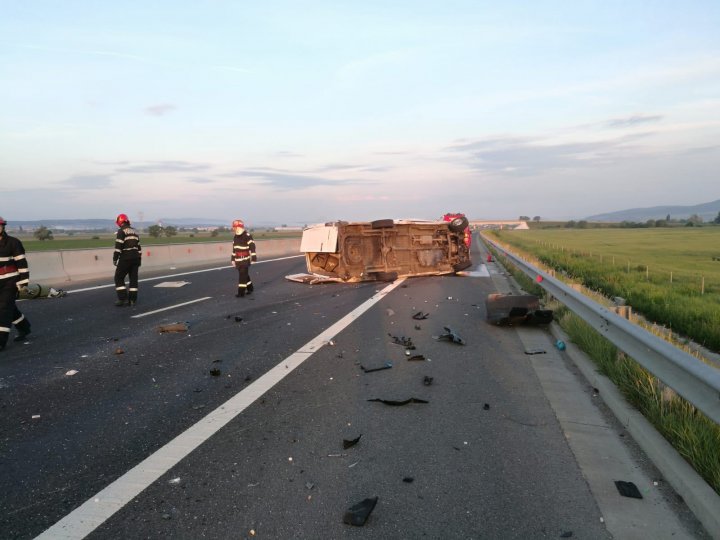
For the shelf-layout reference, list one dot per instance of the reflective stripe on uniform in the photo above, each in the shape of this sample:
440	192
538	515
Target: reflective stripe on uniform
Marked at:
132	290
19	320
119	288
3	329
18	257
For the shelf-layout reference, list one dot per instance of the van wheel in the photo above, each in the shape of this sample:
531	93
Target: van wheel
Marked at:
382	224
459	224
385	276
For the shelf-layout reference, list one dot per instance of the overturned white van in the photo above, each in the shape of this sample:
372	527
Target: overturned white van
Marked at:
382	250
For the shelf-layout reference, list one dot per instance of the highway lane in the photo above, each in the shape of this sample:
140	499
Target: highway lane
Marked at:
501	471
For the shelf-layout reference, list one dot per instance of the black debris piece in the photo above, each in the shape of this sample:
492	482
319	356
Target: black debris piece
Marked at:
628	489
398	403
416	357
248	378
535	351
215	372
419	316
427	381
405	342
386	365
238	319
510	309
486	407
358	513
216	361
408	479
450	336
347	443
566	534
418	327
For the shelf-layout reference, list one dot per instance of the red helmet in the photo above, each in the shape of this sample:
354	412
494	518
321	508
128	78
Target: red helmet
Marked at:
122	218
238	223
2	221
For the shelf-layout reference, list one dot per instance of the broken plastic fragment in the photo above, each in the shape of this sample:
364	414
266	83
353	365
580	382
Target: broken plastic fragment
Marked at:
174	481
398	403
427	381
71	372
416	357
119	351
419	316
408	479
535	351
566	534
215	372
347	443
450	336
486	407
560	344
173	327
628	489
386	365
358	513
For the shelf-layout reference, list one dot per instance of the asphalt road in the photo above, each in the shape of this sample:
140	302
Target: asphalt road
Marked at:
485	457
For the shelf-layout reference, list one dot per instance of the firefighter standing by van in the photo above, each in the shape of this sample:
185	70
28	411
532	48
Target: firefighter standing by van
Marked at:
243	255
14	276
127	259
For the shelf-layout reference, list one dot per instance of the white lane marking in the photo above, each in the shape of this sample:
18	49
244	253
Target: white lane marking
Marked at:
182	274
99	508
172	284
169	307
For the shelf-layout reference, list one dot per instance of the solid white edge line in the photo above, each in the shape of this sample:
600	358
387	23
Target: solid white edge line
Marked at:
181	274
99	508
170	307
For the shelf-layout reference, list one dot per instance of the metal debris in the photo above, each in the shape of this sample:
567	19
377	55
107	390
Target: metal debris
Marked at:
358	513
347	443
450	336
172	327
399	403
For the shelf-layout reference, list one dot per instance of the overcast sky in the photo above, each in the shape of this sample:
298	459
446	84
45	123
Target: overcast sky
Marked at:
309	111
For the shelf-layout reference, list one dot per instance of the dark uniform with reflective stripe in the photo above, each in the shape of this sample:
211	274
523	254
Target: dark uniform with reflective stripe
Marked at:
127	257
14	274
243	255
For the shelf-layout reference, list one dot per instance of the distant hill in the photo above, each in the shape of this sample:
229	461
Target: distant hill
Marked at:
707	211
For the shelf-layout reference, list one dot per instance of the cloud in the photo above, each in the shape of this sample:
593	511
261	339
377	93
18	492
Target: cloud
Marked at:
288	154
164	167
634	120
160	110
518	156
91	181
287	181
200	180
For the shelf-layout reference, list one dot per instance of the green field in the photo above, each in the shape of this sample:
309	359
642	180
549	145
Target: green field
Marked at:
107	240
671	276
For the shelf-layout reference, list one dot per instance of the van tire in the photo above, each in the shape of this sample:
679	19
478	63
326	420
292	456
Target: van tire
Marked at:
382	224
459	224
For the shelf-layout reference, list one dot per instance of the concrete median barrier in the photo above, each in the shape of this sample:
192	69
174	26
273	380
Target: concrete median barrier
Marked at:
83	264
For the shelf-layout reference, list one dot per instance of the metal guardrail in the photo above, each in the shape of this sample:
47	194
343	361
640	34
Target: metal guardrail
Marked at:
689	377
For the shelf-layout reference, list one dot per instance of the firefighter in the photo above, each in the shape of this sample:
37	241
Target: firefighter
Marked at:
243	255
14	276
127	259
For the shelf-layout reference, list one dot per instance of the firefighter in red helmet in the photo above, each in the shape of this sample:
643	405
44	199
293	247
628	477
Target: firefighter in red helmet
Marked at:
127	259
243	255
14	277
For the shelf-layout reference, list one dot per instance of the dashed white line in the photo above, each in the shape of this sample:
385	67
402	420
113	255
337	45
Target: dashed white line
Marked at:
170	307
99	508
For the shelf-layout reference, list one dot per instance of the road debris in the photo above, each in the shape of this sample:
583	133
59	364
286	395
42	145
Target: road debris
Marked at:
560	344
119	351
403	341
386	365
358	514
427	381
172	327
347	443
416	357
419	316
71	372
509	309
408	479
174	481
399	403
535	351
215	372
628	489
450	336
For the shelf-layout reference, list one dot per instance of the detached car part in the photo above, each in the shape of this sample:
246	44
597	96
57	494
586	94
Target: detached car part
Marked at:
510	309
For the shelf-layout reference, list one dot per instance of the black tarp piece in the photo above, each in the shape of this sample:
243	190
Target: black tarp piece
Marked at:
358	513
628	489
450	336
347	443
416	357
510	309
399	403
419	316
386	365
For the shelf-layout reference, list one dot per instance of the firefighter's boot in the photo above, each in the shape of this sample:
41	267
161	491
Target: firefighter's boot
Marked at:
250	288
22	325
